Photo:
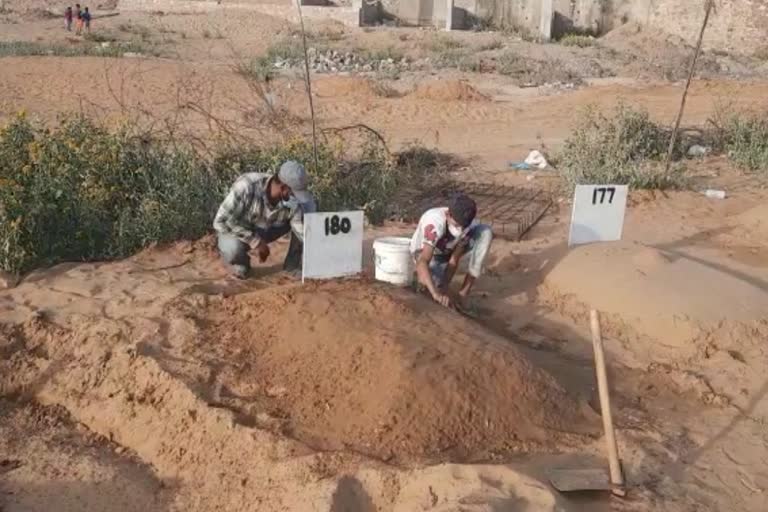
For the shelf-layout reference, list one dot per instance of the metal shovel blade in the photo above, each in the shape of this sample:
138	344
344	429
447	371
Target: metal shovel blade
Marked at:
568	480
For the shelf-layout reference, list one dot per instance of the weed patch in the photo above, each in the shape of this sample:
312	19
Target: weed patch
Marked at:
534	73
496	44
31	49
578	40
79	192
746	141
625	148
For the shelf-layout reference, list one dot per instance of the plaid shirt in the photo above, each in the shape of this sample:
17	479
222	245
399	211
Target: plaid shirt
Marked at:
247	208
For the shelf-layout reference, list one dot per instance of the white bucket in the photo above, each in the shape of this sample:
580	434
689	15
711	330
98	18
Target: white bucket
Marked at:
394	264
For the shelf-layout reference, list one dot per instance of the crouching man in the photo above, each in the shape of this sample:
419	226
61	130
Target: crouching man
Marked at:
259	209
445	235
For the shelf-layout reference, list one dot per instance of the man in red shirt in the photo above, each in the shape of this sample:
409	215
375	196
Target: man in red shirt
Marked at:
443	237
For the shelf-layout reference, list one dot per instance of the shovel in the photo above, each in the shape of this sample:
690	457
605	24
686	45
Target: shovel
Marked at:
567	480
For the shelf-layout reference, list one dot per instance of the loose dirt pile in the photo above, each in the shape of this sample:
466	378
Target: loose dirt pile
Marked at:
448	90
357	366
72	470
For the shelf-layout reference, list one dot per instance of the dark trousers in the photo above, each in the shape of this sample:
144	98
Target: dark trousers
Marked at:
236	252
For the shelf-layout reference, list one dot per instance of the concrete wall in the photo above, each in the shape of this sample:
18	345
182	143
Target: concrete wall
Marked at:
430	12
739	26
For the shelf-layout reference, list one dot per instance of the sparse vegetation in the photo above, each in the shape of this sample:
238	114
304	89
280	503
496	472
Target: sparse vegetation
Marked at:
495	44
144	33
579	40
288	48
442	44
532	72
446	52
456	59
258	69
746	141
100	37
81	192
27	49
626	148
761	53
378	54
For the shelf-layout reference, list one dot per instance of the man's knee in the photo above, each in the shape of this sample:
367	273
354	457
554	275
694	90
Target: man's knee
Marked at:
233	250
482	235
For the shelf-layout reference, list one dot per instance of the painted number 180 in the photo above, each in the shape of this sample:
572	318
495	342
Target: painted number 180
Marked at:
335	225
602	192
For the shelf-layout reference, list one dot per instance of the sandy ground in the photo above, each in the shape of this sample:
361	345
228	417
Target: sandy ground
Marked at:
489	126
155	353
157	383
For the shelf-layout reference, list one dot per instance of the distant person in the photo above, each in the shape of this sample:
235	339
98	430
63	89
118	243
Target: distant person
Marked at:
87	20
259	209
68	18
444	236
78	20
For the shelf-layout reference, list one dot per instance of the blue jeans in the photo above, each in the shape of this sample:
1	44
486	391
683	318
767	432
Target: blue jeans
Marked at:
235	252
480	238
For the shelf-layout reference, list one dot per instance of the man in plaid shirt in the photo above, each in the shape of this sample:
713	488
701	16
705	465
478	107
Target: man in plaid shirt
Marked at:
259	209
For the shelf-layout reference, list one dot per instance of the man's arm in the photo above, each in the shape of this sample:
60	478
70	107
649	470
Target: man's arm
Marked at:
453	262
229	218
425	276
297	219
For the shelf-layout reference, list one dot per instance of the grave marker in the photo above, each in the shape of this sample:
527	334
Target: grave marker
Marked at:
333	244
598	213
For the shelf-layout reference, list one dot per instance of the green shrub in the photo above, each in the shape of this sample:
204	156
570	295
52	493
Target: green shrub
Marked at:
627	148
746	141
79	192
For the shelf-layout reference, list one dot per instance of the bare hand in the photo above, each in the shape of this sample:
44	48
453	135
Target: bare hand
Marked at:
263	252
443	300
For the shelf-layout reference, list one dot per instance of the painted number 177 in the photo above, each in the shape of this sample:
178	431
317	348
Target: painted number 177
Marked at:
599	195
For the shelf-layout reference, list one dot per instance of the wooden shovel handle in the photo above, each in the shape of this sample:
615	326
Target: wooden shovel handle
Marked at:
617	480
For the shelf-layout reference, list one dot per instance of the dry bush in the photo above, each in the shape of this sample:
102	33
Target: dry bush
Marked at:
579	40
533	72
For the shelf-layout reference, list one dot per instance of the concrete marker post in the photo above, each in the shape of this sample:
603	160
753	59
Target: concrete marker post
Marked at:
545	22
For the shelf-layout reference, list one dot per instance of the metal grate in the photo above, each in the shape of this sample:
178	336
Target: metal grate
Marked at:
511	211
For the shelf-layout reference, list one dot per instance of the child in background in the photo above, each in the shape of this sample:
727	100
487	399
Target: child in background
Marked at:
87	20
78	20
68	19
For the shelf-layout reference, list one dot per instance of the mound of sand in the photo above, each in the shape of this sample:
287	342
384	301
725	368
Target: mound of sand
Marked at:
381	372
448	90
